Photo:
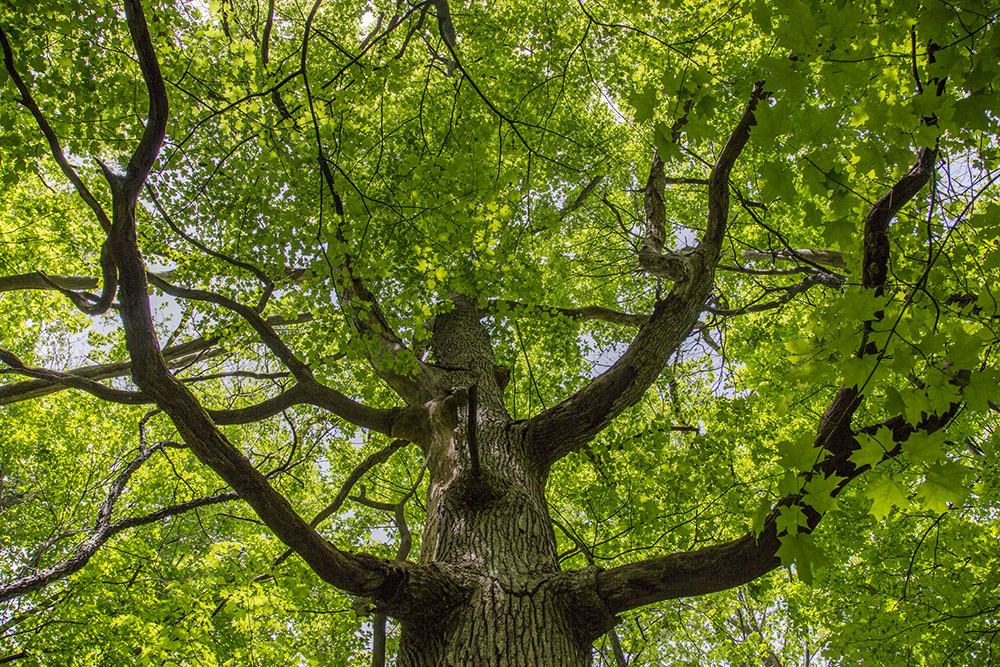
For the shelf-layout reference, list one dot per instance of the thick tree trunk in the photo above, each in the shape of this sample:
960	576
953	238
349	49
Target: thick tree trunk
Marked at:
502	625
488	520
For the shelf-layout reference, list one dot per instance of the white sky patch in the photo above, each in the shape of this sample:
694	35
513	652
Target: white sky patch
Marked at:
367	22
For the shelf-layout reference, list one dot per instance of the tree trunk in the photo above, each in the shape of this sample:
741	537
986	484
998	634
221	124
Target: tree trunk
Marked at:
501	626
488	520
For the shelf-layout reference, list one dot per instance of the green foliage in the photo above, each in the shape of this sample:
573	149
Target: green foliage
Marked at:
466	182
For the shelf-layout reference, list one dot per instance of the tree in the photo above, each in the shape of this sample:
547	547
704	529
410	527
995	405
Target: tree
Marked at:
611	305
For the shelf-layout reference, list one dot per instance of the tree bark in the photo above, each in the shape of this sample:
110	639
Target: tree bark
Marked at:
487	519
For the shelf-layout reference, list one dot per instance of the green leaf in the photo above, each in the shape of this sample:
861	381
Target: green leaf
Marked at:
801	551
644	102
799	455
819	492
760	517
790	519
943	486
885	493
872	448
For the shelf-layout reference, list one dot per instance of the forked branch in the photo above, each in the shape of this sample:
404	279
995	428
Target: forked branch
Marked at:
746	558
360	574
573	422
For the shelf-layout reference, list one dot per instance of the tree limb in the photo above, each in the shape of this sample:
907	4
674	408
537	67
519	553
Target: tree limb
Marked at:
827	257
788	293
174	356
727	565
93	387
383	347
405	588
28	102
581	314
379	457
573	422
104	529
580	198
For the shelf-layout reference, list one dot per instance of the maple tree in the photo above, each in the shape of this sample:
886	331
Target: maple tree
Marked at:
463	331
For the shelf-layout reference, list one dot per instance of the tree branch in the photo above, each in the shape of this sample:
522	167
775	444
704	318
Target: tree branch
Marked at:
582	314
406	589
573	422
28	102
739	561
174	356
827	257
788	293
372	460
75	381
310	391
728	565
104	529
385	347
580	198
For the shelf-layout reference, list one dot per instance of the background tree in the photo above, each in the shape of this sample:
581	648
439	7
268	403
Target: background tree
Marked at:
508	321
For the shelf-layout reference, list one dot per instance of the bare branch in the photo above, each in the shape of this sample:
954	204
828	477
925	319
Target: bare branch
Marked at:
827	257
788	293
582	314
175	356
580	198
75	381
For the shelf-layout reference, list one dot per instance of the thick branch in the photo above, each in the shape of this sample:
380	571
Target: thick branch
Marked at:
310	390
86	551
175	356
576	420
156	122
875	265
41	281
75	381
725	566
361	574
383	347
672	266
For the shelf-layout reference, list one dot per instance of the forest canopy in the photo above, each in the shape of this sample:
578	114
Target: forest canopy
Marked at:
499	333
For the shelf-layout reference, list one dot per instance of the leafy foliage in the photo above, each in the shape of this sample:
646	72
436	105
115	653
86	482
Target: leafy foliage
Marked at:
510	167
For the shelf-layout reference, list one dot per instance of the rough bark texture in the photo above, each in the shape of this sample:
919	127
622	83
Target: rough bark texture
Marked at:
487	517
